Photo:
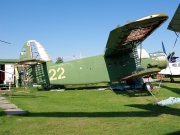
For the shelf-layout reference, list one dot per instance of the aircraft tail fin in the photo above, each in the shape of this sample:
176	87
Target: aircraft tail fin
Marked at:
33	52
32	64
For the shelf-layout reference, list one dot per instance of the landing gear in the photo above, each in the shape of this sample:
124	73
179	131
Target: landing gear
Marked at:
172	79
147	86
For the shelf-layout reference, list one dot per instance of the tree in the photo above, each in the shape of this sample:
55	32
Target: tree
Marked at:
128	22
59	60
118	26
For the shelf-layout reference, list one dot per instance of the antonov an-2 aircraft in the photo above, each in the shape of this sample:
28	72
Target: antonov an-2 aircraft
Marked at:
120	61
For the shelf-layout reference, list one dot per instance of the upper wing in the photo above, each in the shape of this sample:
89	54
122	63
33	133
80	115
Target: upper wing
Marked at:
122	38
174	25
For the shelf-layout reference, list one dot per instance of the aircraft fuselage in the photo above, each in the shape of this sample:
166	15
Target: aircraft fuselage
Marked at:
94	69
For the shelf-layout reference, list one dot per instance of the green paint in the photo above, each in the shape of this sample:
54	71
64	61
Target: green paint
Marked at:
117	62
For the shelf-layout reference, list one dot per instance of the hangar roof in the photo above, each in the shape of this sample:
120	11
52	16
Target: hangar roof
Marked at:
7	61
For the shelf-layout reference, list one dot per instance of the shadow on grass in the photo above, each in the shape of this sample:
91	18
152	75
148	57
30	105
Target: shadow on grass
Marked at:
2	113
175	90
171	82
132	93
148	111
27	96
174	133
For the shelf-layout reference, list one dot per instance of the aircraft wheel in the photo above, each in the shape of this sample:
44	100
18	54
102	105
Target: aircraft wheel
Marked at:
147	86
172	80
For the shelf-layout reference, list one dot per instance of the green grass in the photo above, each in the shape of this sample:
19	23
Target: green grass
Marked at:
84	112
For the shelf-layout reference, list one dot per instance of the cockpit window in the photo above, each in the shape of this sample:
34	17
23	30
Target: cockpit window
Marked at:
152	54
160	54
174	65
157	54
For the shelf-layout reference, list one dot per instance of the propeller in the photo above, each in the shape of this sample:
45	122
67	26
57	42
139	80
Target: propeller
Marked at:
171	59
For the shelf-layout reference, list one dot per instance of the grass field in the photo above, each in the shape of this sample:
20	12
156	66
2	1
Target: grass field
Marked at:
93	112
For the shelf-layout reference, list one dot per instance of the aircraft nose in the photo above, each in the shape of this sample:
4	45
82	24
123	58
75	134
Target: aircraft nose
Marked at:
159	59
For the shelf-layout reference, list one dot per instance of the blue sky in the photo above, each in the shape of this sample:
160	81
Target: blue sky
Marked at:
70	27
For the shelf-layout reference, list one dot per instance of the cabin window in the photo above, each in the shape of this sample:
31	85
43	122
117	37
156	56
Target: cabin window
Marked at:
174	65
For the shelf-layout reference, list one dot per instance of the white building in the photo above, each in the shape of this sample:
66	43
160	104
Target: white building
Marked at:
7	71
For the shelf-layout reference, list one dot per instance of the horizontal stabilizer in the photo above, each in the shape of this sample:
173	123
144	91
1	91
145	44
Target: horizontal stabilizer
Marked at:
30	62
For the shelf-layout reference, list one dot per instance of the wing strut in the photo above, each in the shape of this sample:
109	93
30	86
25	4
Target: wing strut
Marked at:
176	39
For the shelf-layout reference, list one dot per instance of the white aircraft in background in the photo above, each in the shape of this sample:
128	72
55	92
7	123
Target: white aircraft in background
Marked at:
172	69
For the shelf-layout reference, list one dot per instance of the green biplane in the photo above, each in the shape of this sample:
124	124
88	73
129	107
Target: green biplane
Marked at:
120	61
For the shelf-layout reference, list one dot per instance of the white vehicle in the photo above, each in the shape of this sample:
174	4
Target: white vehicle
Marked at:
172	69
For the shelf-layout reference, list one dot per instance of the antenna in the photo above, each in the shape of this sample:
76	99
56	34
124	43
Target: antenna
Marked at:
5	42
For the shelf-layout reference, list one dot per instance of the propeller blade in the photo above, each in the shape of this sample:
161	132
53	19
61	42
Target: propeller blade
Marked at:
170	56
164	50
173	59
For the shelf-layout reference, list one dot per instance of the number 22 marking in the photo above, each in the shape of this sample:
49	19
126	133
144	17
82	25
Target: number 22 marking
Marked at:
60	76
61	73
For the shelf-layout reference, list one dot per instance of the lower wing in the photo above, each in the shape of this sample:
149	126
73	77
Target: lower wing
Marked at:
140	73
